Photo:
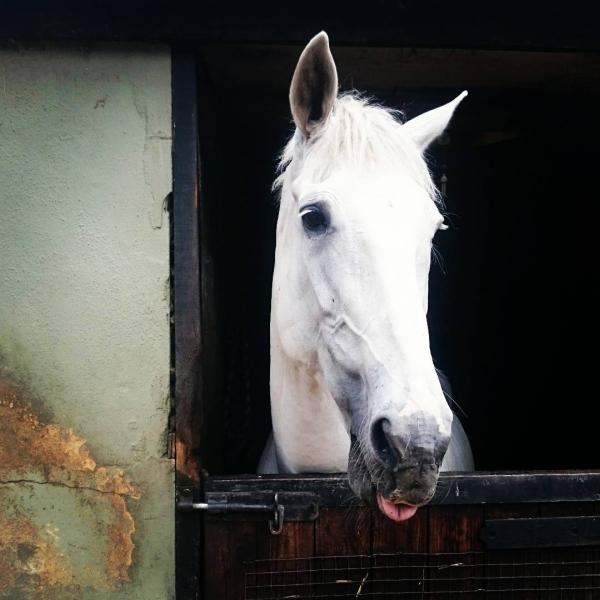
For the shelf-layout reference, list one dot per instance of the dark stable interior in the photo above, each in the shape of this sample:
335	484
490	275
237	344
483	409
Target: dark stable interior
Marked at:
513	311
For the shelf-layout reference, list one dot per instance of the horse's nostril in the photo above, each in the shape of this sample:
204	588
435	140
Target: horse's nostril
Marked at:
384	449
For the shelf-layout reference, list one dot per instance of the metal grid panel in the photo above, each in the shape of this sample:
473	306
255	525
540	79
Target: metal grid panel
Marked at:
548	574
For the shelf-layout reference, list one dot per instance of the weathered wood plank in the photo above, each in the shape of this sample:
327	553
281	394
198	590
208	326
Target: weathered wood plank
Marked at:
500	570
408	536
227	546
290	555
216	553
343	543
453	488
343	531
399	552
456	530
186	318
186	275
542	532
295	541
556	576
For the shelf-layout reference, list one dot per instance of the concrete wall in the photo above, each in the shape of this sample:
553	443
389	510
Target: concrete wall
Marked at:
86	490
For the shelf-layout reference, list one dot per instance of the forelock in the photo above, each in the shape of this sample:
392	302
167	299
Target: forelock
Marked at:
359	134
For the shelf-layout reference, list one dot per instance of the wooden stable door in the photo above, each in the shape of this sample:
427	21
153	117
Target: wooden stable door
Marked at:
460	546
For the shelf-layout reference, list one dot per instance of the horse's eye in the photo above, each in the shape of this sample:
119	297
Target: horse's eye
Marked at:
314	219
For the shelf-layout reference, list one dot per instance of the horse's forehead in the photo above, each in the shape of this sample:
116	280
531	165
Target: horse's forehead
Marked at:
368	192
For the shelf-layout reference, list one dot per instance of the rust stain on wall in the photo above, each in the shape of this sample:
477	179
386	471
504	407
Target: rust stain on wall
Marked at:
24	552
33	453
120	535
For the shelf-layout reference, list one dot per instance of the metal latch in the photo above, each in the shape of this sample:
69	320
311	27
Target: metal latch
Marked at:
281	506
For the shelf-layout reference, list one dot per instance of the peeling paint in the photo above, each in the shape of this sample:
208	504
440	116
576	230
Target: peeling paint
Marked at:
85	165
120	535
190	466
25	553
56	453
33	454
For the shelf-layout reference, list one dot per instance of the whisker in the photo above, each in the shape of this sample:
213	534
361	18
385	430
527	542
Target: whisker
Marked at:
438	258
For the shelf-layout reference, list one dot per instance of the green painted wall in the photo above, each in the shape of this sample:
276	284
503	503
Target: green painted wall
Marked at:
86	490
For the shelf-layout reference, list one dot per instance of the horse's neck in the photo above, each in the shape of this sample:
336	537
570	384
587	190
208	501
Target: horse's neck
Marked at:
310	431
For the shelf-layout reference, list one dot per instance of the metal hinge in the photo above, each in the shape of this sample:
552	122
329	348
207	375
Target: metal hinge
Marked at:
279	506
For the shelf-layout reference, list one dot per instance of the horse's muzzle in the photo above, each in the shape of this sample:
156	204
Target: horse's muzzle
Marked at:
410	454
417	444
411	485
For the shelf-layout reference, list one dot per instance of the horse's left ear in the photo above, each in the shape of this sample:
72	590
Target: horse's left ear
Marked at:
314	86
425	128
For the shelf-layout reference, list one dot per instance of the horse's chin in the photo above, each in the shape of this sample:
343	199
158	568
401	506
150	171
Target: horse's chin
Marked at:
394	509
383	492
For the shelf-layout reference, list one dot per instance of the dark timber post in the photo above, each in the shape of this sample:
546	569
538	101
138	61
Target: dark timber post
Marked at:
186	318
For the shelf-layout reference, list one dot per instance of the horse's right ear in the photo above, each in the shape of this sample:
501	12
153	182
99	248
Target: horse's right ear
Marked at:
314	86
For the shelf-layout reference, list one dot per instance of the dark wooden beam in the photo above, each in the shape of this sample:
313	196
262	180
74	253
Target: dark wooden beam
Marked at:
186	267
427	23
453	488
541	532
186	317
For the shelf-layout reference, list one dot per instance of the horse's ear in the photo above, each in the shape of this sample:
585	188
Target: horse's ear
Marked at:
314	86
425	128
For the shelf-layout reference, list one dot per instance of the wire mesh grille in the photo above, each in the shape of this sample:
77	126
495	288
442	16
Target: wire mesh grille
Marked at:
562	574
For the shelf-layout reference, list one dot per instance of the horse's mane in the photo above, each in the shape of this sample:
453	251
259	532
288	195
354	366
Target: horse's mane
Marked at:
358	134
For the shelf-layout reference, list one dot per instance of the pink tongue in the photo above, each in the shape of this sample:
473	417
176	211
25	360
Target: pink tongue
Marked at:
396	512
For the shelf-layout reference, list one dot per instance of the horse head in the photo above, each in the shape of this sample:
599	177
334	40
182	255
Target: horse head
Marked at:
353	384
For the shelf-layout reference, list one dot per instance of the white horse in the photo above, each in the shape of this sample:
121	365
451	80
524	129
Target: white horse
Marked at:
353	385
